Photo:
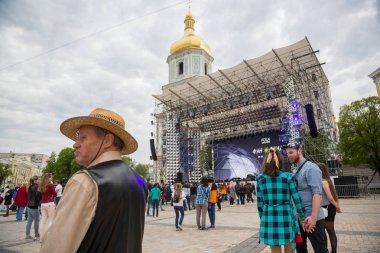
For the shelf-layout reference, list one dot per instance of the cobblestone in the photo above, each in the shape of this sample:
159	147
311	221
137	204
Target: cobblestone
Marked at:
237	230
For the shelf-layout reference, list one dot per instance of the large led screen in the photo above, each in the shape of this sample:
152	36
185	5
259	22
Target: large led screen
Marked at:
237	158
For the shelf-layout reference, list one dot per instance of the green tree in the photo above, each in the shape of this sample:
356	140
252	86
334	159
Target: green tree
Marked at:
143	170
128	161
5	172
205	158
64	166
359	125
51	164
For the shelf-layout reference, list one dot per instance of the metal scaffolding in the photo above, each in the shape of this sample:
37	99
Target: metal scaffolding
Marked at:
245	99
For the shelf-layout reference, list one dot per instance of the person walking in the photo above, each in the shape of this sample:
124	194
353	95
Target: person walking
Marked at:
149	186
219	199
331	202
21	201
232	192
201	202
8	193
155	197
48	193
186	190
178	197
240	191
212	201
308	178
34	201
193	195
276	192
102	208
58	190
249	191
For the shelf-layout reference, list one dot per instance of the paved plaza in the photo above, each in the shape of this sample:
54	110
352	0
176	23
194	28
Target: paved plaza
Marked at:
358	230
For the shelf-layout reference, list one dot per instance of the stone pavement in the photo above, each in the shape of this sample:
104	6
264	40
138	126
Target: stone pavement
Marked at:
237	227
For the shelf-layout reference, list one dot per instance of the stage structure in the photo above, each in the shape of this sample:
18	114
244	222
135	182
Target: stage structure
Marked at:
196	112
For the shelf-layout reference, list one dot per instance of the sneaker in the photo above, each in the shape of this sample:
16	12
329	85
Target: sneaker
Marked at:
212	226
204	228
28	237
177	229
180	229
37	236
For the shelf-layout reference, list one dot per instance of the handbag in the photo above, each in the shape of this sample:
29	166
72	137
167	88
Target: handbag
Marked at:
325	211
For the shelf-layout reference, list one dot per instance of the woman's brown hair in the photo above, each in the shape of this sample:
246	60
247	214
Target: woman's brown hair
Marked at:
326	176
45	180
178	190
272	162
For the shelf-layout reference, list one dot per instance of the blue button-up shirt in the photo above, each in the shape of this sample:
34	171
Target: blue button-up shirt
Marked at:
309	182
203	194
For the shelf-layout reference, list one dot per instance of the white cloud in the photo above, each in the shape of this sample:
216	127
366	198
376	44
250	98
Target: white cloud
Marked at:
121	68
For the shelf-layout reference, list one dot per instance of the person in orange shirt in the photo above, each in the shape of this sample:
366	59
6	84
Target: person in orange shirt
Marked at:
211	202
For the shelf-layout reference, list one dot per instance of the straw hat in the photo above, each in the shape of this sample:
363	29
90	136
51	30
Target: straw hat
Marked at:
105	119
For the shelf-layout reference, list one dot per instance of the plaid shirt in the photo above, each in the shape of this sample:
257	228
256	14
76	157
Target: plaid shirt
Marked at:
274	202
203	194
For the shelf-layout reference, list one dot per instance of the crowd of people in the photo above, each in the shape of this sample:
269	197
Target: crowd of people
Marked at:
34	199
164	194
290	205
103	208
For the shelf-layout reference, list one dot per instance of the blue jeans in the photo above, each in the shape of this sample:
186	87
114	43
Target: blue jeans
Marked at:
155	204
56	200
211	213
179	209
317	239
149	203
33	215
20	211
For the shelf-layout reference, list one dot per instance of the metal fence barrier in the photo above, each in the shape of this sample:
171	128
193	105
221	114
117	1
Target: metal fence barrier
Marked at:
358	191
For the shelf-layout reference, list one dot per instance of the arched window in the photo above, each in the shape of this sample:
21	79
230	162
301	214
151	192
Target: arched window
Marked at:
180	68
205	68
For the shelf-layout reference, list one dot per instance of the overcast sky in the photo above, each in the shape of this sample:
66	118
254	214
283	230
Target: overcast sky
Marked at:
60	59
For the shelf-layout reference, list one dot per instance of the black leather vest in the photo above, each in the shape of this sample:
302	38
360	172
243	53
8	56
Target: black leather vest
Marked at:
118	225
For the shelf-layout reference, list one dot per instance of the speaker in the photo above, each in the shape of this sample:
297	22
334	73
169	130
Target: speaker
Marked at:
311	120
153	150
179	177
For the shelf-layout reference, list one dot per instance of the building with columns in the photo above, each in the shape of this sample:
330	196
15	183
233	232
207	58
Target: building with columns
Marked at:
23	165
375	75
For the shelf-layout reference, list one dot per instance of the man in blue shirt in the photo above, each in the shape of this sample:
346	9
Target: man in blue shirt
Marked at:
308	179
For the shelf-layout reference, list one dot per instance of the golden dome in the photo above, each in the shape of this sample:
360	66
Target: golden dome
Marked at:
189	39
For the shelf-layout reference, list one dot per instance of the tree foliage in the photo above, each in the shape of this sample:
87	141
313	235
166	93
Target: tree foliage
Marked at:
205	158
359	126
50	164
5	172
64	166
141	169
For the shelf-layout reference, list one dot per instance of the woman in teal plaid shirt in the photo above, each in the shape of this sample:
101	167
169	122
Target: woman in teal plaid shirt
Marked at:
275	191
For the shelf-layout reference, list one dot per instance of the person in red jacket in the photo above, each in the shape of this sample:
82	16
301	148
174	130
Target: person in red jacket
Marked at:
48	194
21	201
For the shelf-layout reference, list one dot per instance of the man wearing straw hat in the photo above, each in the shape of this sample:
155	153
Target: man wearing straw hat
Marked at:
102	208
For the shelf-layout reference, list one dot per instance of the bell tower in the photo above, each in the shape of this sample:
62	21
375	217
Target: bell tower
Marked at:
190	56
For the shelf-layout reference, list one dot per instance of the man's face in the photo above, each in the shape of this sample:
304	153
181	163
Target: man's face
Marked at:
293	155
86	145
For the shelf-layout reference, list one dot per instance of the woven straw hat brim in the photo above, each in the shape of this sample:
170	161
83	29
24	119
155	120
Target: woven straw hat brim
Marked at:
70	127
